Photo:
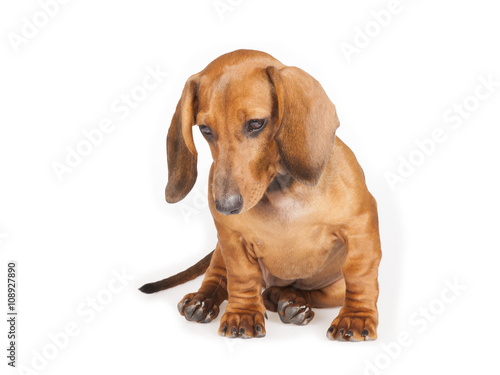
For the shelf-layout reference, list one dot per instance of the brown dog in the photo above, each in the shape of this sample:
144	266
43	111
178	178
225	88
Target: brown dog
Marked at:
288	199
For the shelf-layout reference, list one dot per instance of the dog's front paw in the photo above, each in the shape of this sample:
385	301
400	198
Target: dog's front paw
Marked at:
242	324
196	308
354	325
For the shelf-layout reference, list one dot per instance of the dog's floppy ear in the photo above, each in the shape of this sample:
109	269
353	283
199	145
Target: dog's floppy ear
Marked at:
181	152
307	122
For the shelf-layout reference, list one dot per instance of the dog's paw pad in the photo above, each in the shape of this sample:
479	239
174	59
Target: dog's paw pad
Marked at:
196	308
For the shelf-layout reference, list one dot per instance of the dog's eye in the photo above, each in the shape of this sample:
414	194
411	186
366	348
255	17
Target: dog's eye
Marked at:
255	124
205	130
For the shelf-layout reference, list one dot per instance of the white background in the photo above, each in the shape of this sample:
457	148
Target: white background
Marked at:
439	226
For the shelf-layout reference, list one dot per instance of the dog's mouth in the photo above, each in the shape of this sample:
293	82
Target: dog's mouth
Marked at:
278	180
276	183
253	198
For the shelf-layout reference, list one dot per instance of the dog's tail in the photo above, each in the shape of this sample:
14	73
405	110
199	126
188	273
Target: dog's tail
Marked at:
182	277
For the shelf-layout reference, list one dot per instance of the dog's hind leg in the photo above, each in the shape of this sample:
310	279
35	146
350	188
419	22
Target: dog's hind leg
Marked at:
203	306
332	295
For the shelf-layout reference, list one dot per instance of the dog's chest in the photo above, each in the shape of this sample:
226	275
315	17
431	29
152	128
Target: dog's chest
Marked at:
297	251
295	238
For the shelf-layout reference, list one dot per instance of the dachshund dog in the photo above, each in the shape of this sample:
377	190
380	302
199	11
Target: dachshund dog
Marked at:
288	199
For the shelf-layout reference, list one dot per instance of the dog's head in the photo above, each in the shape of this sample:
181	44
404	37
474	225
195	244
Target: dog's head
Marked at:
260	118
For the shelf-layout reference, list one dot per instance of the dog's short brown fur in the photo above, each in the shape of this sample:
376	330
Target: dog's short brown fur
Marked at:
288	199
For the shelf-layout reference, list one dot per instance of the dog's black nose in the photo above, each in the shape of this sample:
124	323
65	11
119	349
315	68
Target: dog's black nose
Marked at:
230	205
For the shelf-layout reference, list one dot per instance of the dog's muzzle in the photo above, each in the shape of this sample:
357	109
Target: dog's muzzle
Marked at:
229	205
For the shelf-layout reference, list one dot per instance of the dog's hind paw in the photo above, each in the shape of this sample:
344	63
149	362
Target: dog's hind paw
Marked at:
291	304
196	308
295	313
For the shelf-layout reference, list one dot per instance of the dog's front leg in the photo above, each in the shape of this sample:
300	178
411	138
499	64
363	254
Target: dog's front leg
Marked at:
244	315
358	318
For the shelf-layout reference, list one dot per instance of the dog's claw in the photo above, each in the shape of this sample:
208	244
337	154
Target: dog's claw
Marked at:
233	332
259	332
181	304
189	311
